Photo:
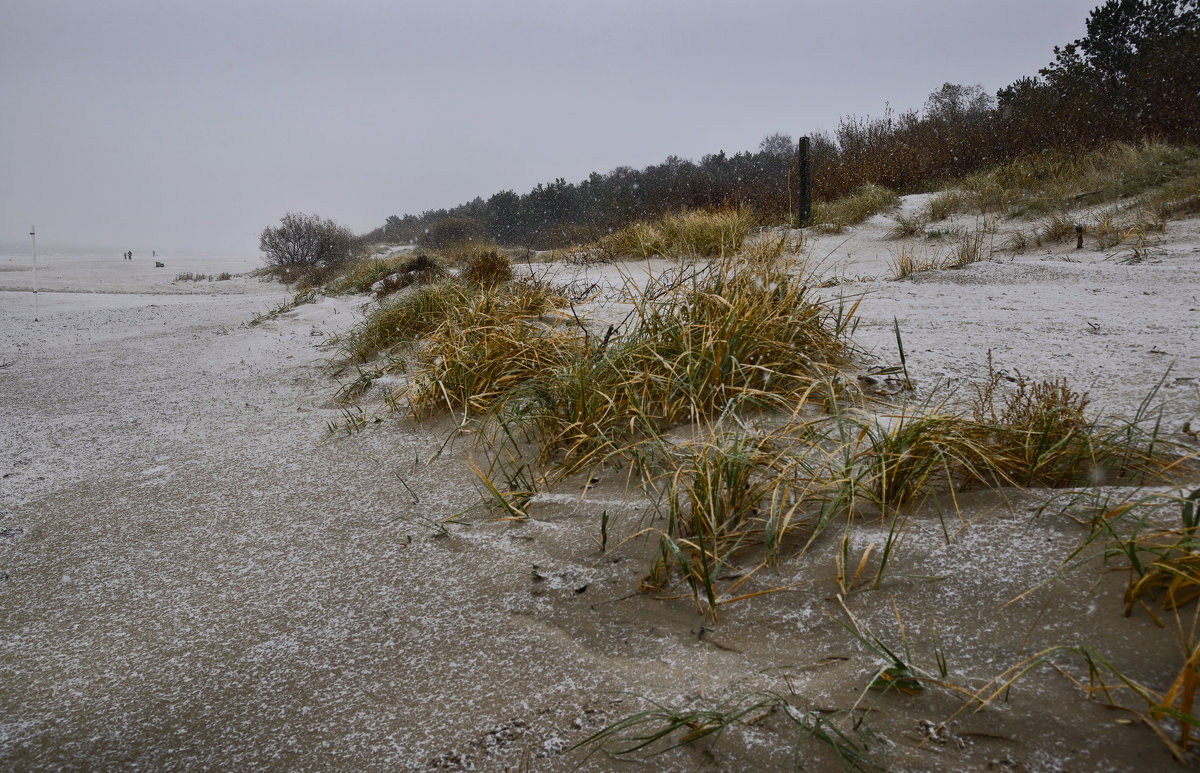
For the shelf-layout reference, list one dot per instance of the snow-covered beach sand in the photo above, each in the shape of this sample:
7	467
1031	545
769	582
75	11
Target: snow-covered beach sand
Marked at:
195	574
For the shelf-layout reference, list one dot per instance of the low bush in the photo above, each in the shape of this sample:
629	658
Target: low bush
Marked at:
307	248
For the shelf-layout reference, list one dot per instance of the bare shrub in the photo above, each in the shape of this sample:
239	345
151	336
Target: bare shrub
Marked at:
304	247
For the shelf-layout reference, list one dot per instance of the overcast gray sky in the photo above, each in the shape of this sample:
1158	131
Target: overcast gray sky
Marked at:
192	125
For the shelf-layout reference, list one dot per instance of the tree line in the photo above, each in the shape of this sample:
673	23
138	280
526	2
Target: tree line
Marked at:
1135	74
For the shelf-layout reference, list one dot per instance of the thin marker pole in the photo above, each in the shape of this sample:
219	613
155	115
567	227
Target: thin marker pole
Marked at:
33	238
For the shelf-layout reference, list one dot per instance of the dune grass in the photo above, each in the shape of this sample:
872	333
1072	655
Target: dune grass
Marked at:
1053	182
487	267
298	299
741	335
728	396
726	497
908	262
944	204
836	215
424	309
967	250
908	225
421	267
1164	563
661	728
744	333
477	355
688	233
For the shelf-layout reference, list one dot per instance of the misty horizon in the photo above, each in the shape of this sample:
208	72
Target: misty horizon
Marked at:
145	126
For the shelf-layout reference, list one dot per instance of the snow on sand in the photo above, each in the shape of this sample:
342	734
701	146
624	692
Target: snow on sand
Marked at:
194	574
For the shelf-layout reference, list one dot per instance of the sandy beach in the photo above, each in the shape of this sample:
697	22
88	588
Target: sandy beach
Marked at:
195	573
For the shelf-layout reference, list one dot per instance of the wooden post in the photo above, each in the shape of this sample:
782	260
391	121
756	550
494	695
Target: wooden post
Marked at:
804	203
1079	237
33	239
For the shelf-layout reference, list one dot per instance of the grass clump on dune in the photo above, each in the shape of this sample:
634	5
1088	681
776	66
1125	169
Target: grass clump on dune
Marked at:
487	267
742	333
732	496
422	310
909	262
1044	437
407	269
402	320
687	233
903	458
476	355
834	216
942	205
